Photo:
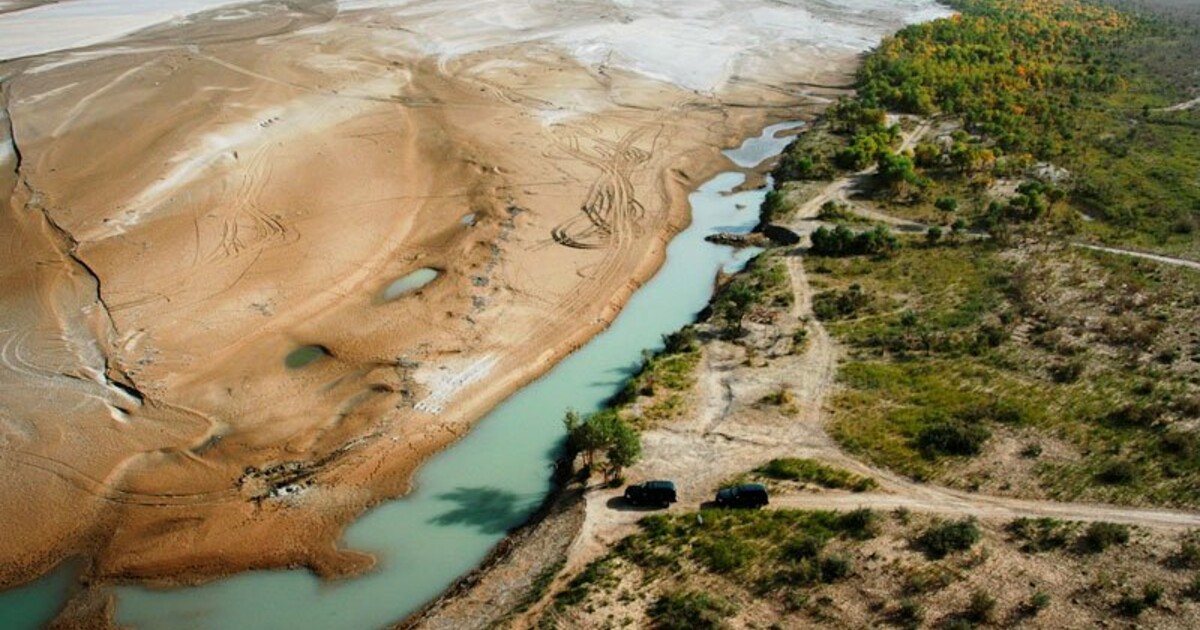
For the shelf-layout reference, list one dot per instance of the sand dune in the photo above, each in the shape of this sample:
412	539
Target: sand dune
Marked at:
193	202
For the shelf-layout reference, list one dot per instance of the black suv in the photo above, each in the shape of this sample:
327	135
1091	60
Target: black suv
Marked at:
651	493
749	495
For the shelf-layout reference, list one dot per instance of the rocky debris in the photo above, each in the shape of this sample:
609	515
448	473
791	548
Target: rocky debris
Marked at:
738	240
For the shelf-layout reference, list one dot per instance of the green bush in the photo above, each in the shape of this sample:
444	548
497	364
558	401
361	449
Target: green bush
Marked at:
1117	473
951	437
1037	603
1192	590
1130	605
1040	534
812	471
833	211
725	555
775	207
842	241
945	537
805	547
981	607
860	524
832	305
690	610
1101	535
909	614
835	568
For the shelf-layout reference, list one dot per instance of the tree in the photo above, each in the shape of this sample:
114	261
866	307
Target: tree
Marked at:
946	204
603	431
624	449
927	155
584	436
734	303
933	235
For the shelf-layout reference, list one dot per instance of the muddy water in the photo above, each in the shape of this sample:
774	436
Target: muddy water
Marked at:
466	498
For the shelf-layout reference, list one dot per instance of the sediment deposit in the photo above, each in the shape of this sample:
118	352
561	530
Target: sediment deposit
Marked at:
200	372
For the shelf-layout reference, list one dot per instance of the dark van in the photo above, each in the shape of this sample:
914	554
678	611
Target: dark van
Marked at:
749	495
651	493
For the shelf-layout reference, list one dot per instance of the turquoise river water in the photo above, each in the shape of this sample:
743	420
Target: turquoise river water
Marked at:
468	497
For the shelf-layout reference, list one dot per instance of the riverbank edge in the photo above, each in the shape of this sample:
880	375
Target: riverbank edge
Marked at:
563	508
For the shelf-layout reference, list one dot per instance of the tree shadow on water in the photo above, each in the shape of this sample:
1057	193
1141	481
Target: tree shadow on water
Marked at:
490	510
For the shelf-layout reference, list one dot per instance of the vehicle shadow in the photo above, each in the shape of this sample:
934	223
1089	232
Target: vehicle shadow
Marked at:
621	504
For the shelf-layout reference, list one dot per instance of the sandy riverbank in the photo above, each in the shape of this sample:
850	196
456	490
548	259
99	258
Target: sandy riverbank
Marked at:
193	203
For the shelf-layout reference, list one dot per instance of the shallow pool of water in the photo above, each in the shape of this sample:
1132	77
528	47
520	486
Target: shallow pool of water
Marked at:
410	282
468	497
304	356
771	142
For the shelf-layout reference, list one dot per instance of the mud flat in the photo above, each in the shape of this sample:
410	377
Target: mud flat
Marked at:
194	202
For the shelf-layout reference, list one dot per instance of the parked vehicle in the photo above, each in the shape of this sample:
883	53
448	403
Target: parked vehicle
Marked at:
651	493
748	495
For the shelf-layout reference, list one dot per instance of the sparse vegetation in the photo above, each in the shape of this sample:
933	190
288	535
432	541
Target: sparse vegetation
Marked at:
822	568
763	283
812	471
1099	536
691	610
946	537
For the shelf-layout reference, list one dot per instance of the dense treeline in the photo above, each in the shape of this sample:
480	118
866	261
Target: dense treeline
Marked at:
1015	71
1080	85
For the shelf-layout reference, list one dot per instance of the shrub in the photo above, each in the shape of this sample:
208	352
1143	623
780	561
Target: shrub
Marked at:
803	548
799	339
1100	536
775	206
1039	534
1037	603
933	235
981	607
725	555
689	610
833	211
841	241
1130	605
929	578
835	568
1192	590
946	204
682	341
1117	473
945	537
952	437
1067	371
1152	594
861	524
910	613
809	470
1188	556
831	305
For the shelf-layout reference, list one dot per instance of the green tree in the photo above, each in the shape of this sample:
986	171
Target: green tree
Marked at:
624	449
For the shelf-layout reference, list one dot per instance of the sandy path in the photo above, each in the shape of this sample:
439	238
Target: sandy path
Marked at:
1185	105
1166	260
